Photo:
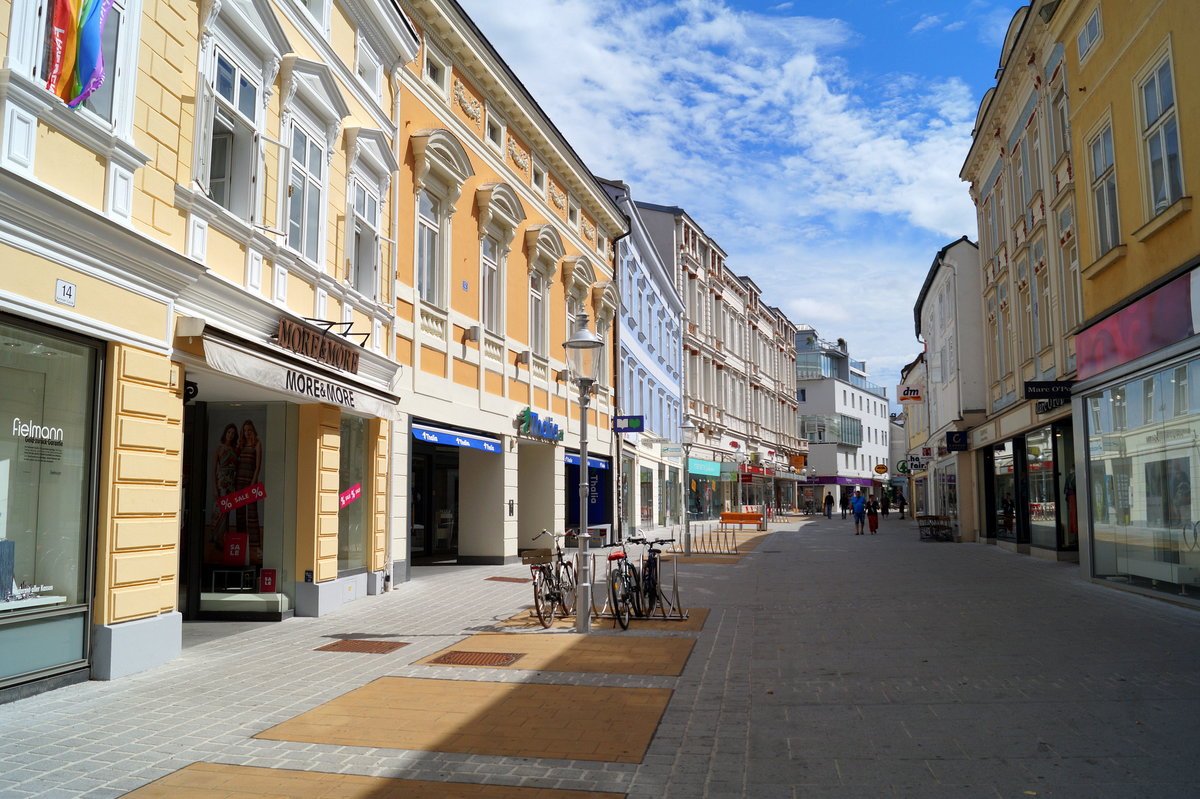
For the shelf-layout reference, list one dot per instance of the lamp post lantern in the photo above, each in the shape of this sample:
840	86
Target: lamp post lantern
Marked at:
583	359
687	437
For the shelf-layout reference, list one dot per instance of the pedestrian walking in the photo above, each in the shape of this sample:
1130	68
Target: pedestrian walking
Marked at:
901	502
858	506
845	503
828	505
873	514
885	504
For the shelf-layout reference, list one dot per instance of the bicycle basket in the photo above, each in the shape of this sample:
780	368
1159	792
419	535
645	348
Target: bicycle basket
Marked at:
533	557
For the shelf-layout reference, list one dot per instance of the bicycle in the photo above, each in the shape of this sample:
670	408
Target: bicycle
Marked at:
651	589
553	581
624	587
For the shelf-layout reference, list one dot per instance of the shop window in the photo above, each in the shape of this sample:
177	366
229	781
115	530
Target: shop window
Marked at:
354	483
646	495
1042	489
1004	491
47	439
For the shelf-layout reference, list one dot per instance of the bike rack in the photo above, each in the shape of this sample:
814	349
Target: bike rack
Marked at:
677	612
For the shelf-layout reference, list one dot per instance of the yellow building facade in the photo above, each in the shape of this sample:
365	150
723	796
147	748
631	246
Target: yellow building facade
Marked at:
1135	127
278	305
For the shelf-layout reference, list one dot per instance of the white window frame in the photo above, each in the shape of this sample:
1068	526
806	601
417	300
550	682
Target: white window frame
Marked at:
539	311
434	61
371	164
225	118
363	233
368	66
1089	34
500	214
539	185
1103	189
1160	129
430	266
494	123
305	231
491	285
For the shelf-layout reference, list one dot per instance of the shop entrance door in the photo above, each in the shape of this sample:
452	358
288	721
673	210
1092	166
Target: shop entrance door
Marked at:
434	532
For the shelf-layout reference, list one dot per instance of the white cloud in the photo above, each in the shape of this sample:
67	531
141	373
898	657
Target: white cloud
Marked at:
755	124
926	22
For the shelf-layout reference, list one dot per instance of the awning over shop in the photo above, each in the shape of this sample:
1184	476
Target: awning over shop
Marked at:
304	382
455	438
593	463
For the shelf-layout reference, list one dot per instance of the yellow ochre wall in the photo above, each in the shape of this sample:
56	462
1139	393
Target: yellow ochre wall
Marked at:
1106	86
137	555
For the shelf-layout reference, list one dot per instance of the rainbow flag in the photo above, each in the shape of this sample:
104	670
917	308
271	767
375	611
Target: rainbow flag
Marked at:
64	34
89	64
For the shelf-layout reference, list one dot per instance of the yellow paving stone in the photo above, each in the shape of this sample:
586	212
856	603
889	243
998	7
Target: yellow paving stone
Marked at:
578	653
505	719
527	621
217	781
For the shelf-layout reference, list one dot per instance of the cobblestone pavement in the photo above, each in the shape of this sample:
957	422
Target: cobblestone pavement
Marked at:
830	665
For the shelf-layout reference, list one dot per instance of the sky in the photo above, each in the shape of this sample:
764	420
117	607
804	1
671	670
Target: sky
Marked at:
818	143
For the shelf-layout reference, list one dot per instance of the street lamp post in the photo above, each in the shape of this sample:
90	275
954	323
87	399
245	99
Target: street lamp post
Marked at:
583	358
687	437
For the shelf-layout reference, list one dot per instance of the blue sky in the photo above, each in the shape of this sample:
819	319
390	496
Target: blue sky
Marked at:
819	143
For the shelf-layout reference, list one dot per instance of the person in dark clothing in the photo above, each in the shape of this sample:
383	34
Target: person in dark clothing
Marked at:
901	503
885	504
872	514
845	504
828	505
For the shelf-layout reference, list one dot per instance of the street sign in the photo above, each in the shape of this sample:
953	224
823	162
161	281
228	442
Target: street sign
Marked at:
880	468
629	424
917	463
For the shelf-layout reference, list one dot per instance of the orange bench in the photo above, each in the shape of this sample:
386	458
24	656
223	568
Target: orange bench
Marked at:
740	519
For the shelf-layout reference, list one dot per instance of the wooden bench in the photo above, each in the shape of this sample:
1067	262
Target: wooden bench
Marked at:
728	520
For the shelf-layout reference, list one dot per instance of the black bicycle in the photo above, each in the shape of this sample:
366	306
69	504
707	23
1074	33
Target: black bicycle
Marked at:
651	586
553	581
624	587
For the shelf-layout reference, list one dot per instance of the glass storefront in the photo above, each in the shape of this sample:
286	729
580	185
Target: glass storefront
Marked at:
646	495
1143	467
48	429
703	489
1030	489
353	507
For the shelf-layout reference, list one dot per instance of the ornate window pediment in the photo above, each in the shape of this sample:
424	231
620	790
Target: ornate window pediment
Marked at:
369	154
438	154
499	206
312	83
545	248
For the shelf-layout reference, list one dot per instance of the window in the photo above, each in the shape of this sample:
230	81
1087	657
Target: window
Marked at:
436	70
494	131
573	214
490	286
1068	266
1104	190
1041	297
1004	331
1161	135
429	251
368	68
537	315
1090	34
354	471
364	244
538	178
229	162
1061	134
305	194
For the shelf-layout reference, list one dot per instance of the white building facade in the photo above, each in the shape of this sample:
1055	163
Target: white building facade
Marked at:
949	318
649	376
843	416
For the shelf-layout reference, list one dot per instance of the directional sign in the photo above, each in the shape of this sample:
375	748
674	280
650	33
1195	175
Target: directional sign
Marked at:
629	424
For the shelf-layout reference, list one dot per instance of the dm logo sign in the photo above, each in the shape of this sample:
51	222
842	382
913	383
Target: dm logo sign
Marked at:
910	394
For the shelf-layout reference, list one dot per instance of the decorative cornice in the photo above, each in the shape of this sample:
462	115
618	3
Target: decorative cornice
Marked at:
558	198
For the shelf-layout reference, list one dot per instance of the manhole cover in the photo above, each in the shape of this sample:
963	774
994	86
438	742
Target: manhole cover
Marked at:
355	645
510	579
459	657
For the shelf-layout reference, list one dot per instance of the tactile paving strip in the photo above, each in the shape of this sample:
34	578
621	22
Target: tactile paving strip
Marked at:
359	645
460	657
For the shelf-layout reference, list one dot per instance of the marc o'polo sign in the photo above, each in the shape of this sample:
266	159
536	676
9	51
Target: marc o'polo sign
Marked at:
1048	389
318	345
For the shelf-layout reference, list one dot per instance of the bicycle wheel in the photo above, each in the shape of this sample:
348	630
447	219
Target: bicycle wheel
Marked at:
566	589
543	598
635	590
618	591
649	587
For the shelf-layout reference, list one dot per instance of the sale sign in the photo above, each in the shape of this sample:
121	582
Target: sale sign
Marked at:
235	549
349	495
241	497
266	581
